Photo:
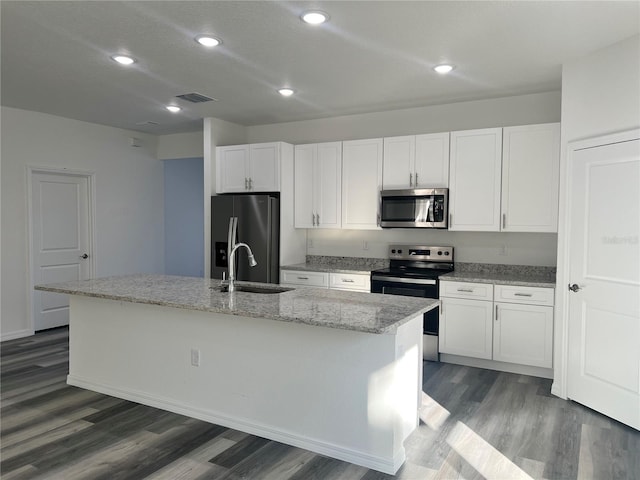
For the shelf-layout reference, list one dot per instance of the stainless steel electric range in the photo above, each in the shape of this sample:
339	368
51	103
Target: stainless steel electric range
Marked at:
413	271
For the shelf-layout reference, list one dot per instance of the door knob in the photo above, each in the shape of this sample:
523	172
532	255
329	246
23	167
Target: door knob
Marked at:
574	288
84	256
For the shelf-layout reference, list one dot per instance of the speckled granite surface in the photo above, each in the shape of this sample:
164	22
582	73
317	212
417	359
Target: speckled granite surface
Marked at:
362	312
321	263
523	275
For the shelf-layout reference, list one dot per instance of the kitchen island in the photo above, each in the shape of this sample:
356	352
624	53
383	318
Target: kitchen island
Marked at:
338	373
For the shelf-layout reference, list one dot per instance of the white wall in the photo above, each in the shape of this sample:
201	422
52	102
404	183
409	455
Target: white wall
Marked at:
528	249
128	192
498	112
181	145
600	95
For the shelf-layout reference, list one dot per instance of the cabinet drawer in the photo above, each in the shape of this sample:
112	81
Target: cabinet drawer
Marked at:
309	279
350	281
477	291
527	295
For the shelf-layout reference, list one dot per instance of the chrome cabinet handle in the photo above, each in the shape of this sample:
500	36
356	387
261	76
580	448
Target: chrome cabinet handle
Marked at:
246	183
347	280
302	278
250	183
411	179
504	220
496	313
574	288
317	219
378	219
466	290
523	295
313	219
450	219
416	179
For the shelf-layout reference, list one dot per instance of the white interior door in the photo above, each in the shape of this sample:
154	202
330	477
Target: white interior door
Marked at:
604	318
60	240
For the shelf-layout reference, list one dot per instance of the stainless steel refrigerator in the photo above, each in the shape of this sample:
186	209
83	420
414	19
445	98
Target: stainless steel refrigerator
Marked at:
258	226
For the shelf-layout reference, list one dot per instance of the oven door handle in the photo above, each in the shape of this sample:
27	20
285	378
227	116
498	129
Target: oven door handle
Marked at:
415	281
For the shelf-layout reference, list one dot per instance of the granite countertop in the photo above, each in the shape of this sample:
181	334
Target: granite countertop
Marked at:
318	267
323	263
362	312
530	279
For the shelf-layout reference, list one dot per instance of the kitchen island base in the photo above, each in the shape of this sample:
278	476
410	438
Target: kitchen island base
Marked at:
346	394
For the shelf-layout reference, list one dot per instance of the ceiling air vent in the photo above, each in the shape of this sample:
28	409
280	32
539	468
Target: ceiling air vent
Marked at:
147	122
196	98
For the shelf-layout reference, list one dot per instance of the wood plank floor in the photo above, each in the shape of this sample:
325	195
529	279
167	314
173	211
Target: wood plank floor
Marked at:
476	424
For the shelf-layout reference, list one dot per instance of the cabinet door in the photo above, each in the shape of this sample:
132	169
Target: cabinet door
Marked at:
530	175
264	167
398	162
432	161
361	183
304	161
466	327
231	168
327	185
475	171
523	334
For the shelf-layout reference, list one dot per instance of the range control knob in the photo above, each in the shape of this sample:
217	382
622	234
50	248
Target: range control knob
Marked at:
439	252
446	253
393	251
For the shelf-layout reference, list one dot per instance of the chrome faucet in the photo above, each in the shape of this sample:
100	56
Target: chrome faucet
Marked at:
232	263
232	247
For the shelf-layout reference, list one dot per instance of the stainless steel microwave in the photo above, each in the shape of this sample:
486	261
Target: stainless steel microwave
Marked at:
415	208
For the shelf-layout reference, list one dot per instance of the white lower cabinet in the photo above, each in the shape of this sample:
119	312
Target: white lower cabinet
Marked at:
336	281
504	323
350	281
523	334
300	278
466	327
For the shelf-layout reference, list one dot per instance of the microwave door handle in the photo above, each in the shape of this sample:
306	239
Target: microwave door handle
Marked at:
432	217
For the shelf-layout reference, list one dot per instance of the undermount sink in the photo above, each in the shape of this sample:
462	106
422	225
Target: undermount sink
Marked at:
254	289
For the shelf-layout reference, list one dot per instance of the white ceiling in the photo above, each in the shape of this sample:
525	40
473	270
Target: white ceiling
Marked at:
371	56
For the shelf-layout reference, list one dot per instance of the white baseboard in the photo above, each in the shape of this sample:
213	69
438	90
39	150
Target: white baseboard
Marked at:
18	334
382	464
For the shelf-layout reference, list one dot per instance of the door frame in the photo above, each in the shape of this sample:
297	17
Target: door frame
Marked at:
561	309
91	209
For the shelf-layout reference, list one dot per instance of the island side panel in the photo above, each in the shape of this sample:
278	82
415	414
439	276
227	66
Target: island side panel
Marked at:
346	394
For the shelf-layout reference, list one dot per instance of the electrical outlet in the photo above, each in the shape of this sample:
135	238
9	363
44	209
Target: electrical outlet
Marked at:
195	357
365	245
310	243
502	250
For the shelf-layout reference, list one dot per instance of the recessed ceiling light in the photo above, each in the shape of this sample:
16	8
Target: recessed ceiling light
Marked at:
443	69
286	92
208	40
173	108
314	18
123	59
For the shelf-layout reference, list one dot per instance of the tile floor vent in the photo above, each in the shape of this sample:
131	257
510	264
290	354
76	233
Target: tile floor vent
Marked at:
195	98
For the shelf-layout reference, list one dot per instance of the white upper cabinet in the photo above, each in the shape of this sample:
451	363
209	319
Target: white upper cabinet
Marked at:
248	168
474	181
416	161
318	174
530	176
361	183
